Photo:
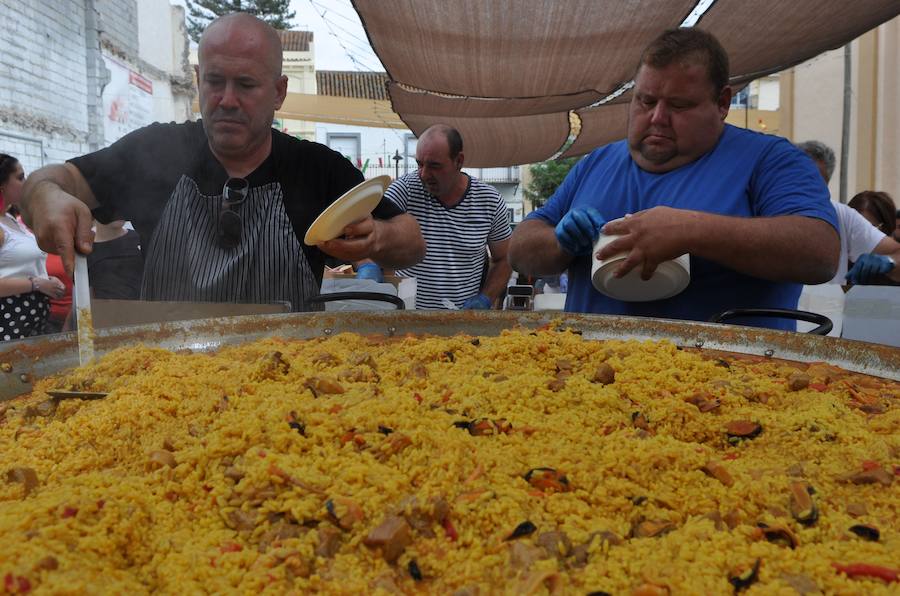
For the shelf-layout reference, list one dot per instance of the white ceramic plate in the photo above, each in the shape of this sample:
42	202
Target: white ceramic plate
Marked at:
669	279
352	206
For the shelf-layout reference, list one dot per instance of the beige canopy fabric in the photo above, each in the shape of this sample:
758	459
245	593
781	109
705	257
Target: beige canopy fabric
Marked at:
767	36
503	141
599	126
507	73
414	101
514	48
339	110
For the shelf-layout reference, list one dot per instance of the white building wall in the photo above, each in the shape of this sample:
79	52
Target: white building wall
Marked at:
768	93
300	69
52	72
163	44
43	95
818	104
887	176
377	146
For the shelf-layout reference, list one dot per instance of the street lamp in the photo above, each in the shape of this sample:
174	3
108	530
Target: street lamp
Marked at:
396	159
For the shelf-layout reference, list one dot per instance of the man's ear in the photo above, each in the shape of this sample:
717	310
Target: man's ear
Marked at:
460	160
281	91
724	102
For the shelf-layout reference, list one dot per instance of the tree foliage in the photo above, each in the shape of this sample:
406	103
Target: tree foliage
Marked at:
546	178
202	12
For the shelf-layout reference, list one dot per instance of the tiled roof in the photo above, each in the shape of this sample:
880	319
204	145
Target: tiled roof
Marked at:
348	83
296	41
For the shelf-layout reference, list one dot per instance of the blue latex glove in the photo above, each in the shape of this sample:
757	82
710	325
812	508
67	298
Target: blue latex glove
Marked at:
370	271
868	266
578	230
477	302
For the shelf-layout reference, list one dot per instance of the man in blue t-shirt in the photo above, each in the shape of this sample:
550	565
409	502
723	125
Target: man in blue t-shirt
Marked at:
750	209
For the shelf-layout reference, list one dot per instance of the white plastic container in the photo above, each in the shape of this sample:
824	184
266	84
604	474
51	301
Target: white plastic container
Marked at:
669	279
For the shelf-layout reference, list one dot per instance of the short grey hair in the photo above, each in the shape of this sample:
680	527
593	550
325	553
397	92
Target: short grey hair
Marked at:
820	152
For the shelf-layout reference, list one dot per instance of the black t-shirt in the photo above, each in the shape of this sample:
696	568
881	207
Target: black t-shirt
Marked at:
116	267
166	181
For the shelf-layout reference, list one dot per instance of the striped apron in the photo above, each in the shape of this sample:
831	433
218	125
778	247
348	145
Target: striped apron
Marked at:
184	261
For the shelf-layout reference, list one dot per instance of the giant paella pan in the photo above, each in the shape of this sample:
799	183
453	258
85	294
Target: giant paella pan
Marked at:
462	453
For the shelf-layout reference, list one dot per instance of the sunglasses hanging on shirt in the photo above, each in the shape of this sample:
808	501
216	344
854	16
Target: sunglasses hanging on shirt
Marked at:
229	223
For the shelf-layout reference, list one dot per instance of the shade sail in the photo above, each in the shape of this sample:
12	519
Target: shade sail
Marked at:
767	36
507	71
514	48
504	141
416	101
339	110
599	126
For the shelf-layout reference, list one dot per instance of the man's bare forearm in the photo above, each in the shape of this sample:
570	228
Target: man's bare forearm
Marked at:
890	248
51	179
499	272
534	250
785	248
400	243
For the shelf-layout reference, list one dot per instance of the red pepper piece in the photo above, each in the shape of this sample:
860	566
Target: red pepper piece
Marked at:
854	570
450	530
231	547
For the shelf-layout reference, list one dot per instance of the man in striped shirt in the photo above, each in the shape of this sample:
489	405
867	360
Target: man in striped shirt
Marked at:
464	223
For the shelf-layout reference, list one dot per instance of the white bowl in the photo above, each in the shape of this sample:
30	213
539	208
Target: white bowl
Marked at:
669	279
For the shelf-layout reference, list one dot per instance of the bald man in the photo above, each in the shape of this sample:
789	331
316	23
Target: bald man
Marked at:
220	204
464	222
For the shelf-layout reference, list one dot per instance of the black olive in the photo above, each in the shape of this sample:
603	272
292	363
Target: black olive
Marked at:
531	472
385	430
524	529
298	426
414	570
450	356
462	424
865	532
638	501
723	363
329	507
744	580
476	342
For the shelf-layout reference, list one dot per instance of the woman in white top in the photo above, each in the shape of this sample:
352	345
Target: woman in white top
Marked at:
25	287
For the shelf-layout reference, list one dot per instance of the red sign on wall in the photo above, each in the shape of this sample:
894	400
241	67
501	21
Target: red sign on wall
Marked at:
140	82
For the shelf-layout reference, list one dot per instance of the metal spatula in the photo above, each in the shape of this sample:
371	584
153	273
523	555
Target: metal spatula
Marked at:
83	311
82	296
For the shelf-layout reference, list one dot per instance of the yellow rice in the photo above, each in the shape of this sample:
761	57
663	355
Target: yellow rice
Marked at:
108	516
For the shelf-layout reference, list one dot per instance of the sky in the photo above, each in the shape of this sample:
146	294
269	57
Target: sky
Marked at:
340	42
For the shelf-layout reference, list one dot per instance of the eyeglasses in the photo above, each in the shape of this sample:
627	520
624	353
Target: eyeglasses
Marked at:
229	223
